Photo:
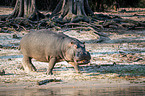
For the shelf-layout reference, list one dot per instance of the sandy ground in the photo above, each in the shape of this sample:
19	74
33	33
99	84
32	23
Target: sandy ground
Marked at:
117	62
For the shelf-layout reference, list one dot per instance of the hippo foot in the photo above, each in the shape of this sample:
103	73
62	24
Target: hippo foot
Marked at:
29	70
79	72
49	73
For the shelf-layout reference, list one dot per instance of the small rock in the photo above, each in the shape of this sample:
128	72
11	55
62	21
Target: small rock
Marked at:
1	46
2	72
5	28
4	31
135	15
98	66
20	67
114	63
11	29
9	59
123	10
23	33
95	58
129	56
15	36
138	59
122	55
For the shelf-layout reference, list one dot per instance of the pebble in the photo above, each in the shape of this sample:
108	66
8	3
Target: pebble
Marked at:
1	46
5	28
2	72
9	59
15	36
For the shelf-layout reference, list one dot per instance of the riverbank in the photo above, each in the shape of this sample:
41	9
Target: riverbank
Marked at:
117	65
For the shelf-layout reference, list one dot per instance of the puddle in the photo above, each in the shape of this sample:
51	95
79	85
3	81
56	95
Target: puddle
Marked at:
116	52
108	91
11	56
94	53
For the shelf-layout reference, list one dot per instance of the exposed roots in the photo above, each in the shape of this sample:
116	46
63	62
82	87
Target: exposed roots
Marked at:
73	14
95	23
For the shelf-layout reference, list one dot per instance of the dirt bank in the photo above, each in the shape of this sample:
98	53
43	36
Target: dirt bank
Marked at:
118	60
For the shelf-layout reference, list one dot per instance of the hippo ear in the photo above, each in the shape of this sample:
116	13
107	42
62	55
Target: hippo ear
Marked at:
72	43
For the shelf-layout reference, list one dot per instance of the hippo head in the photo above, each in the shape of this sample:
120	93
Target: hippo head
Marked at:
77	53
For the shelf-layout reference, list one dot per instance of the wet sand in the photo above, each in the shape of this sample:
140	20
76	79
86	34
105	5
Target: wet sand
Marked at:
76	88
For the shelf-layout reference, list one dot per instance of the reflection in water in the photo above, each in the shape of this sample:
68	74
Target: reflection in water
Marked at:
113	91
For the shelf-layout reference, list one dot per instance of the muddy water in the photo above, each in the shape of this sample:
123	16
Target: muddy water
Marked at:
108	91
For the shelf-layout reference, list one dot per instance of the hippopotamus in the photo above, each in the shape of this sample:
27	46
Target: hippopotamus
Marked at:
47	46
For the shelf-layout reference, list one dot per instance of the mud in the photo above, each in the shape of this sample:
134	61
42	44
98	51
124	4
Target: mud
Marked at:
117	66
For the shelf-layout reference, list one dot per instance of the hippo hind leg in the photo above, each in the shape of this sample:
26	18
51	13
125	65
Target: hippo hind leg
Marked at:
27	64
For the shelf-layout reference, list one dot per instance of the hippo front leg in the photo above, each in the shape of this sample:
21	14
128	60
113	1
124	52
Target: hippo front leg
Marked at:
51	66
76	66
27	64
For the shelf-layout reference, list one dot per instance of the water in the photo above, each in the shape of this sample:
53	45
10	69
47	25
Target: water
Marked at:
108	91
93	53
11	56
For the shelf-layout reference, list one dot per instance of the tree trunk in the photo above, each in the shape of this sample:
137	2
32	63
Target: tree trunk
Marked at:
72	11
26	9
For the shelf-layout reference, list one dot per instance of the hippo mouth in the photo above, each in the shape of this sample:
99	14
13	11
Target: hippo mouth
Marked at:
82	61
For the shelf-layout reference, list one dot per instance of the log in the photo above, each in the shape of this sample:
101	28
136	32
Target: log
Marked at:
47	81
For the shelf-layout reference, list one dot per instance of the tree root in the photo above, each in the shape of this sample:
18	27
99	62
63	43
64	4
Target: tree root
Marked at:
48	81
95	23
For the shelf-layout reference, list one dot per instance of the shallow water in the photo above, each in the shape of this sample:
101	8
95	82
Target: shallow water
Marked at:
11	56
108	91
